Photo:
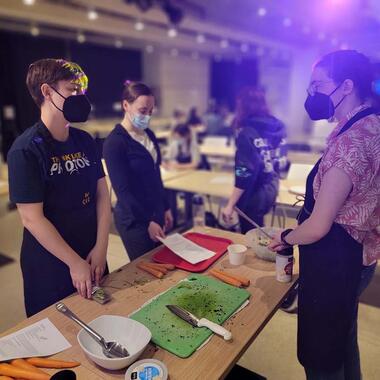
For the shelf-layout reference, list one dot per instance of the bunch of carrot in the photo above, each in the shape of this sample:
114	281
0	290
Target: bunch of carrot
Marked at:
155	269
231	279
29	369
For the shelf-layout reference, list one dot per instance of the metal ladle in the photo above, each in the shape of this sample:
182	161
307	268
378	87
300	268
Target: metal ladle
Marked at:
110	349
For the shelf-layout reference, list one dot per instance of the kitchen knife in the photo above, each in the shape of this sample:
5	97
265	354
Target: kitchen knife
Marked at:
202	322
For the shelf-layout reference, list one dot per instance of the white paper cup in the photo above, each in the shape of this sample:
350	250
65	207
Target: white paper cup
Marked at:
284	268
236	253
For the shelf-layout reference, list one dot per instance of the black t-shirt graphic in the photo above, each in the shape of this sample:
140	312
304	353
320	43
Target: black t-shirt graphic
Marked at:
63	176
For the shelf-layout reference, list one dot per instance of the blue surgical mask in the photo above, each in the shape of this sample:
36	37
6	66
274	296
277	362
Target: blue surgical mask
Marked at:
140	121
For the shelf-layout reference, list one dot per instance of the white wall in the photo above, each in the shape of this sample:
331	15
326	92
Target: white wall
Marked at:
181	81
286	88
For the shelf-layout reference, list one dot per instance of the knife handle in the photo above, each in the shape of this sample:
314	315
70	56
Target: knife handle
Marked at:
217	329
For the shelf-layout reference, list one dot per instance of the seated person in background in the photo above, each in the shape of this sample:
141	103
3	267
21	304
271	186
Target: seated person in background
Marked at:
179	117
193	119
183	151
213	120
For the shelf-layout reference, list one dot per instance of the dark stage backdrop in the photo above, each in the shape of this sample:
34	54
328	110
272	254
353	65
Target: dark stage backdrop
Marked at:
228	77
107	69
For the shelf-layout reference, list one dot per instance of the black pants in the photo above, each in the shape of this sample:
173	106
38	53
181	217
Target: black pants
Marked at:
134	235
246	226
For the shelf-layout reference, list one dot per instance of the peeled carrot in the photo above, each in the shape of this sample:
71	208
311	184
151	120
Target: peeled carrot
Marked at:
12	371
51	363
6	378
244	280
156	267
154	272
23	364
166	266
226	279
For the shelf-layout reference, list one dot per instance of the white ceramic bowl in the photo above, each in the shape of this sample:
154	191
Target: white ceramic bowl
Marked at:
256	240
132	334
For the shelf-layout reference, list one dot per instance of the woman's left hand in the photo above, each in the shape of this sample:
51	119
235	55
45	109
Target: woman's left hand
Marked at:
168	220
97	259
276	244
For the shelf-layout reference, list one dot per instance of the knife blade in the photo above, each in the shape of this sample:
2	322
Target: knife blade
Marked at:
202	322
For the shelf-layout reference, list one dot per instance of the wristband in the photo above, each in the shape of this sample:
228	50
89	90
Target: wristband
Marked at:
283	235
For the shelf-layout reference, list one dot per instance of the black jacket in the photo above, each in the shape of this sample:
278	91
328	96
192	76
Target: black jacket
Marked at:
135	178
260	158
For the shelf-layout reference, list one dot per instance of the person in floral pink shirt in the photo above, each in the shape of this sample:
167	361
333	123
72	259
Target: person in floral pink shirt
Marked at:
338	227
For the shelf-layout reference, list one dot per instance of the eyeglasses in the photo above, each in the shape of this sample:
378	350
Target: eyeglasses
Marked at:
315	85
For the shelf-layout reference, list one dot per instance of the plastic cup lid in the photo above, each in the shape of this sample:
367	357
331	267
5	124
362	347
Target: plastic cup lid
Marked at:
147	369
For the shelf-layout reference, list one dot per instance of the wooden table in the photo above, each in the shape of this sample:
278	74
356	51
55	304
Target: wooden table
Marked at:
227	152
131	287
220	184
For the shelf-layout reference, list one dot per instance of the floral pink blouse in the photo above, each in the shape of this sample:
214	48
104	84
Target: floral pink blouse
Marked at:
357	152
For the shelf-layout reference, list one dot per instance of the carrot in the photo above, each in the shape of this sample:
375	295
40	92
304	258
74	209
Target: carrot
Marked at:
166	266
150	270
156	267
244	280
12	371
23	364
51	363
226	279
6	378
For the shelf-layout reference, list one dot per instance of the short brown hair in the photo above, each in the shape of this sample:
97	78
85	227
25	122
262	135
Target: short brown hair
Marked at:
132	90
50	71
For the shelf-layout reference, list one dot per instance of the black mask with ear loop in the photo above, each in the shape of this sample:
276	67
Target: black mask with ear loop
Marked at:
76	108
320	106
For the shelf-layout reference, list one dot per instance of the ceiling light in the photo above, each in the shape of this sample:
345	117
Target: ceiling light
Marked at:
35	31
29	2
224	44
139	26
118	43
201	39
81	38
149	49
92	15
262	12
172	32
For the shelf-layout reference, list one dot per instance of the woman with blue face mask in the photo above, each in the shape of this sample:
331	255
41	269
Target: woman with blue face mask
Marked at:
133	158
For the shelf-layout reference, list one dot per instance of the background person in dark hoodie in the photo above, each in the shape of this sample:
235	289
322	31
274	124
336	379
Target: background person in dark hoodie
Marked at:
260	158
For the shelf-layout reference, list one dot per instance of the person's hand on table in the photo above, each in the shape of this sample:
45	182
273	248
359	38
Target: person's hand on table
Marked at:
227	213
155	231
97	260
168	220
80	274
276	244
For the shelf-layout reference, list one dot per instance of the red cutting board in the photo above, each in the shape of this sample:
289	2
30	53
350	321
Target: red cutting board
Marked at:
213	243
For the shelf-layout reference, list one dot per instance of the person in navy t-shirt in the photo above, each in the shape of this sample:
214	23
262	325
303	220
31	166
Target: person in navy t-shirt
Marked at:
57	181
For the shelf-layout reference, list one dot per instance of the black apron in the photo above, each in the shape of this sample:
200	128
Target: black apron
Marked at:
330	271
70	205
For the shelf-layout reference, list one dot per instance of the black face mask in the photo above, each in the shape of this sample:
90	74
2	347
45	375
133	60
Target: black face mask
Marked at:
76	108
320	106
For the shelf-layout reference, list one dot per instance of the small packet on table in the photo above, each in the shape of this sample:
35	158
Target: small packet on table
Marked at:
99	295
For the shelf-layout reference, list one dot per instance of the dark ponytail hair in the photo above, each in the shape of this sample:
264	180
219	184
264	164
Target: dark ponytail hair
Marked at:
349	64
132	90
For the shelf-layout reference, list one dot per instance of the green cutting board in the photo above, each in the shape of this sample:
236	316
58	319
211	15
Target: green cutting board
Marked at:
204	297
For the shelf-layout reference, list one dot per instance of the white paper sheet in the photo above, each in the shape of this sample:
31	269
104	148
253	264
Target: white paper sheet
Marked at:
186	249
40	339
